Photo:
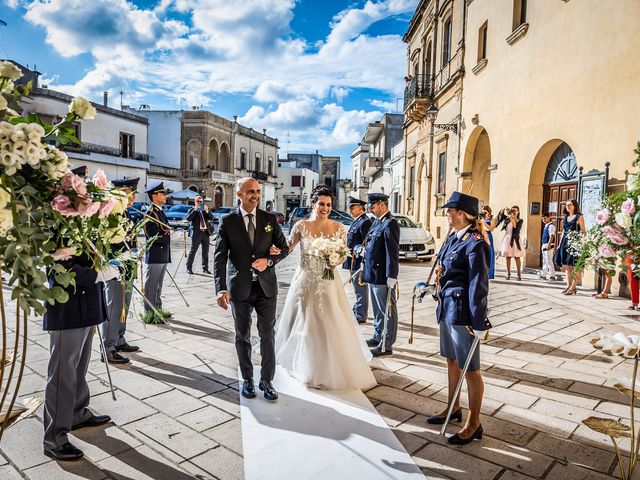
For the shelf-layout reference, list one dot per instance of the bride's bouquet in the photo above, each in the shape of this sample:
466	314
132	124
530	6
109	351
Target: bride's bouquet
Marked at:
332	250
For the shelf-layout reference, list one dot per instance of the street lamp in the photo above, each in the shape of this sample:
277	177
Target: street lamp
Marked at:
432	113
384	169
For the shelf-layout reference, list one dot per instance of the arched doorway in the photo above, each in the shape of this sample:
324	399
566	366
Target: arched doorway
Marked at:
560	183
212	159
218	197
193	154
476	178
553	181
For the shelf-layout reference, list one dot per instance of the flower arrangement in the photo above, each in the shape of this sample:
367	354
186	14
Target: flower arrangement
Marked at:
627	347
615	236
333	250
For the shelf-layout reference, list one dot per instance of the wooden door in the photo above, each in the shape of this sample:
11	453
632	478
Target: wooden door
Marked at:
554	198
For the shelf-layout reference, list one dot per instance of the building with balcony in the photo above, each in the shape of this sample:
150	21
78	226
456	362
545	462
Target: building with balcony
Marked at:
380	137
114	141
359	181
432	105
204	152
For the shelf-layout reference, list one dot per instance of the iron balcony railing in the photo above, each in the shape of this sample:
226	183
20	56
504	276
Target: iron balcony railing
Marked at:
420	86
103	149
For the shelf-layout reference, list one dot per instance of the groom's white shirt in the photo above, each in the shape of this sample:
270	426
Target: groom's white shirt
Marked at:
246	219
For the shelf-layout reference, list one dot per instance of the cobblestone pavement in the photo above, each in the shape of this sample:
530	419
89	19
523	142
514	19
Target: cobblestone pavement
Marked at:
177	413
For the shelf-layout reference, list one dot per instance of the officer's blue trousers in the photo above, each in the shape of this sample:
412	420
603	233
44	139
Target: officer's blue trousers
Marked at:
379	303
361	305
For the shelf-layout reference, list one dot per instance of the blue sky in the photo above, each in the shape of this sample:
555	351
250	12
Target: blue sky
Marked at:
316	71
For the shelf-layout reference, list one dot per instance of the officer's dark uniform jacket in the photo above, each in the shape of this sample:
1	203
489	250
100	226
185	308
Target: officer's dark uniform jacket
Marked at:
160	249
357	233
85	307
382	250
464	285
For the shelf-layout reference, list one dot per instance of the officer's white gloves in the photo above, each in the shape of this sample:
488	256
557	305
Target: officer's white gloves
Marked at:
392	282
358	250
107	273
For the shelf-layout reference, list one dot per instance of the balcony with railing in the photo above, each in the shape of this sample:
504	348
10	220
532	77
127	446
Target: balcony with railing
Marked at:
418	96
453	69
89	148
193	175
371	165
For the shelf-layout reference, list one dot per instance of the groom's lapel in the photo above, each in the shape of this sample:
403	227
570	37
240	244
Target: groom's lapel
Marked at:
243	229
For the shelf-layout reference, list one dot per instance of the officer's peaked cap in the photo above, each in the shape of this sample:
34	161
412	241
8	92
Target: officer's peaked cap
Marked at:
464	202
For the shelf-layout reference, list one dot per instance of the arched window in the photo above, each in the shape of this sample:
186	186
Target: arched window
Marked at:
257	164
270	166
446	42
243	159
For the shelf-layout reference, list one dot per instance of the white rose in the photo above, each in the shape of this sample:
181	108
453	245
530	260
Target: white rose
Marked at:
82	108
3	102
34	131
334	258
20	151
19	136
6	220
623	219
8	158
10	71
5	197
116	234
122	202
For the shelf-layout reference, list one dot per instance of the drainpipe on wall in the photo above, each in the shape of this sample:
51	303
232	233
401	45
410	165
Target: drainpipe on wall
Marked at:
431	127
464	36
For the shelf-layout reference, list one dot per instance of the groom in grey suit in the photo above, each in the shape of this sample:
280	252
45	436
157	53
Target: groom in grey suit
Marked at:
242	245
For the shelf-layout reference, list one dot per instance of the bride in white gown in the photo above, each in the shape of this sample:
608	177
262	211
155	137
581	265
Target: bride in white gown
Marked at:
317	340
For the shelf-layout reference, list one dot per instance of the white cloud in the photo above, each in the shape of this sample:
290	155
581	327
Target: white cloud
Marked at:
386	106
223	47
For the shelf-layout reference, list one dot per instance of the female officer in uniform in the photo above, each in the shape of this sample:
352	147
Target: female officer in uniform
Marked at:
462	308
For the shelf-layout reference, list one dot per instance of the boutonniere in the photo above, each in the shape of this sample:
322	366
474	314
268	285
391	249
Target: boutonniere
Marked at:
268	228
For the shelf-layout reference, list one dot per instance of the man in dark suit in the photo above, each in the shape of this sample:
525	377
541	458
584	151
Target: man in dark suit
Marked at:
158	251
199	217
244	239
118	292
380	271
357	233
71	326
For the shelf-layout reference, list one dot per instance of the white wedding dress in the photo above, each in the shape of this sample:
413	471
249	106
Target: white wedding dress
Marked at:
317	340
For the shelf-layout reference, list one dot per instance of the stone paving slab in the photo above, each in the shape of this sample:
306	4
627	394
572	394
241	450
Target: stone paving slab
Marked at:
177	413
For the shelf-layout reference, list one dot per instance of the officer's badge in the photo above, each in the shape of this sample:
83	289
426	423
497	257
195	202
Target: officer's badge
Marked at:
268	228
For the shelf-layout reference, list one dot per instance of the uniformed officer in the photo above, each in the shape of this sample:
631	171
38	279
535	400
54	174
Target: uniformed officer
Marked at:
199	216
118	292
158	252
70	326
463	281
380	271
357	233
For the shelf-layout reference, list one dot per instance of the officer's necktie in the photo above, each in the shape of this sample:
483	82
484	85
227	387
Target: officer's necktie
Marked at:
251	228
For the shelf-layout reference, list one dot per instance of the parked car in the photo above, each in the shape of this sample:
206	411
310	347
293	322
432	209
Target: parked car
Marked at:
279	217
217	214
302	213
136	211
415	242
177	216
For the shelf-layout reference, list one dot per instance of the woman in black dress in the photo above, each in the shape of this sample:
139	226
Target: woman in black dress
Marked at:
573	222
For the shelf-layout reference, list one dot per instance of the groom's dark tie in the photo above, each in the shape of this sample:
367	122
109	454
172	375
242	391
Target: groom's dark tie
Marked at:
251	228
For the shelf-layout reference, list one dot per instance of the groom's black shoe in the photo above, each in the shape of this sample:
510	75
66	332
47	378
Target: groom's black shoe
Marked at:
248	389
269	392
372	342
377	352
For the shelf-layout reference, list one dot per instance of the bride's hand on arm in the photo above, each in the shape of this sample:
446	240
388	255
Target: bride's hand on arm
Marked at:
274	250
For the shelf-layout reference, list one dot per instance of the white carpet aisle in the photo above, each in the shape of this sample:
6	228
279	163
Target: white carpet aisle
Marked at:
315	434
